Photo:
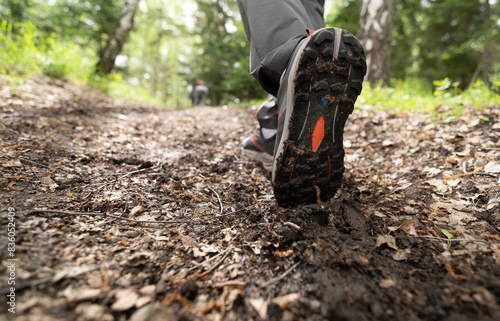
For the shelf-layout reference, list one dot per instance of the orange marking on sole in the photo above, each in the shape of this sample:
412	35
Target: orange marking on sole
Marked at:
318	133
254	141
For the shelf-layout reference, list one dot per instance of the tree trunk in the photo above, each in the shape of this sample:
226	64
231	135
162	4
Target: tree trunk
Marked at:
375	34
119	37
489	56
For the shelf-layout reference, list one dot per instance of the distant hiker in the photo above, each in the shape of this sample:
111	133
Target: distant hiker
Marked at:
199	93
316	74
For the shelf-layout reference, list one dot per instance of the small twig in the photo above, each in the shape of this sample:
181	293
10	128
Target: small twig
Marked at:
210	259
274	280
220	202
241	162
451	240
34	174
35	211
229	283
135	172
135	221
26	285
33	163
216	265
9	129
125	175
473	182
33	283
292	225
21	159
485	174
225	253
484	148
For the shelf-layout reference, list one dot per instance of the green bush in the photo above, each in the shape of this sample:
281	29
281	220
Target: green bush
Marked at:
415	96
23	51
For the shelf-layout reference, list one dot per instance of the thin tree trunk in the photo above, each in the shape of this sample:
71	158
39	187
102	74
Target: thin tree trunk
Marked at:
489	53
119	37
375	34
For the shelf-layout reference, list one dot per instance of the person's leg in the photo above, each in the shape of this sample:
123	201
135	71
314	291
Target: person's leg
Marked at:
200	94
259	146
278	26
274	28
317	80
202	97
270	54
196	94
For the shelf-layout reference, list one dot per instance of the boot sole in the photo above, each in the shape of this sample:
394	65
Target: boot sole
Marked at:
310	155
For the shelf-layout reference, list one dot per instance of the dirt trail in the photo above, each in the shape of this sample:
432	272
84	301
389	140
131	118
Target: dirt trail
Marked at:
413	234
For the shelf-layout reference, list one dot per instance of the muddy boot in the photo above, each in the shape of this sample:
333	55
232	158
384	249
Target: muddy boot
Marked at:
317	93
259	147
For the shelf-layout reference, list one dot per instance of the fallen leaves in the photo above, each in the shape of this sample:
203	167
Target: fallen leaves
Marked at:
153	312
406	181
47	183
388	240
492	167
139	258
260	305
285	300
125	299
387	283
136	210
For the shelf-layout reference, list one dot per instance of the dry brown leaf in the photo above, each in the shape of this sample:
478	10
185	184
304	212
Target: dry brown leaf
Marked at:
136	210
285	300
139	258
387	283
389	240
260	306
439	185
153	312
492	167
48	182
16	162
125	299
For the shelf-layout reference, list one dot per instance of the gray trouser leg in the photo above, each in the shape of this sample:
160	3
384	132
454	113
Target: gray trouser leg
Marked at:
274	28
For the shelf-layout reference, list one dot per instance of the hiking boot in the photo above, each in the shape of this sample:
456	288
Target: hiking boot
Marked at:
317	93
260	146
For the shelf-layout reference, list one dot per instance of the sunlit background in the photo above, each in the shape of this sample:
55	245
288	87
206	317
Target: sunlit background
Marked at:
440	49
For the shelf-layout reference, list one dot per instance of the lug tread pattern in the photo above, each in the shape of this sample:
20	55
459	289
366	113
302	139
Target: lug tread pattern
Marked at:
320	75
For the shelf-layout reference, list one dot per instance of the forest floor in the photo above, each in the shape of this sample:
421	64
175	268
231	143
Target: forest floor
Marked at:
192	232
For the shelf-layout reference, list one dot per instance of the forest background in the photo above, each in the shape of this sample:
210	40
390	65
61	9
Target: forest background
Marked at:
422	54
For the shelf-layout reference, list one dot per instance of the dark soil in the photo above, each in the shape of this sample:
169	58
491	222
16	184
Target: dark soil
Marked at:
192	231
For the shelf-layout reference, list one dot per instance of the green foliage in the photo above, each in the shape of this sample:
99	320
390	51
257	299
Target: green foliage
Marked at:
444	86
437	39
441	48
18	53
211	55
27	52
417	96
447	234
221	60
115	85
345	15
411	95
